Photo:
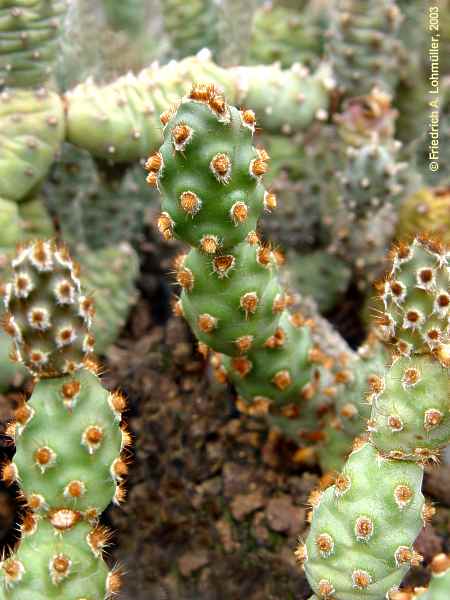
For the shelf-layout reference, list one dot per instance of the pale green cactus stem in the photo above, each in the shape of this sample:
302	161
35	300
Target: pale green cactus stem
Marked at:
364	526
70	460
120	121
209	174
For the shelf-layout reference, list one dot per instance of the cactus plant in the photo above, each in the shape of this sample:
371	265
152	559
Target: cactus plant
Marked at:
209	174
69	459
350	551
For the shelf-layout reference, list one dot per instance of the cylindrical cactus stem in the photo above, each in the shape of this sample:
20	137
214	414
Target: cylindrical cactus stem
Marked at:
363	48
71	459
191	26
364	527
209	174
120	121
30	36
371	183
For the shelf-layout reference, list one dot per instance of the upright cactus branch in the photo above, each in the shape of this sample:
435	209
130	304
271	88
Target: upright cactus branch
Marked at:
361	541
363	48
210	174
70	459
30	36
31	117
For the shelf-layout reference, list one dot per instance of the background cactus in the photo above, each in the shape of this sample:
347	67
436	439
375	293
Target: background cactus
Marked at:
285	35
30	35
363	47
113	121
191	26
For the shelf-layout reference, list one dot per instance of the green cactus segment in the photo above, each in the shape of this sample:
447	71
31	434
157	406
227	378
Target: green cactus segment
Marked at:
29	32
191	26
110	274
285	100
222	310
72	463
360	542
352	403
70	459
31	130
51	564
427	211
210	192
416	300
410	417
363	48
283	35
46	314
120	121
